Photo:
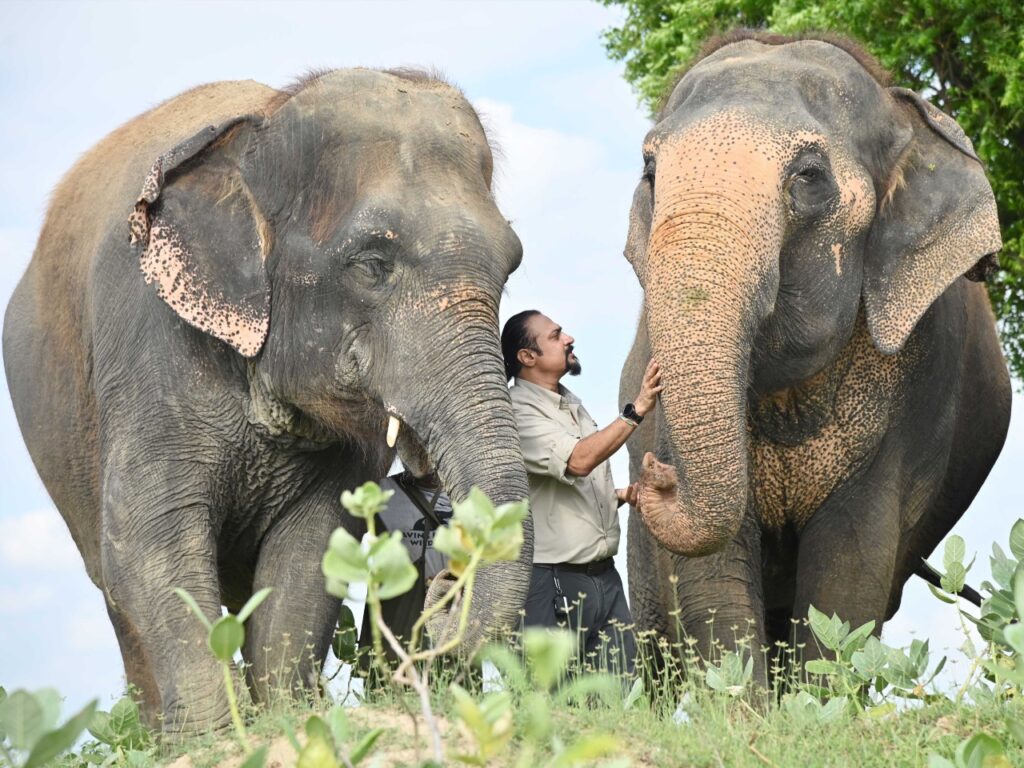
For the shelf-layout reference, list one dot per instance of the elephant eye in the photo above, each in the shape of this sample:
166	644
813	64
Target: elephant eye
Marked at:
810	189
371	267
648	174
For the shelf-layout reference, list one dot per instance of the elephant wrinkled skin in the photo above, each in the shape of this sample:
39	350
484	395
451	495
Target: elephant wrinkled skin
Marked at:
200	368
834	394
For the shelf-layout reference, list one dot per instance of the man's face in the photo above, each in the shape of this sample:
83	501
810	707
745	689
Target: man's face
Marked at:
556	347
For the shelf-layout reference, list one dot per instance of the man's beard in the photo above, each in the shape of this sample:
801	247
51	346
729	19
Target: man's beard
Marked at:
572	367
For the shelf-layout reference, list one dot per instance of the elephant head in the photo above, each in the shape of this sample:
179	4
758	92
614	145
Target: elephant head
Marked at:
787	192
344	245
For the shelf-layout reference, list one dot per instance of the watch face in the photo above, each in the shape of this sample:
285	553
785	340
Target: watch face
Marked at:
630	412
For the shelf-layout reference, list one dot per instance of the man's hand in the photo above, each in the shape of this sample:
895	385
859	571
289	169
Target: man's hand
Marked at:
649	389
628	495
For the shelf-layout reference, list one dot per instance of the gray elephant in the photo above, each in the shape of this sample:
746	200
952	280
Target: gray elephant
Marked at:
200	368
835	394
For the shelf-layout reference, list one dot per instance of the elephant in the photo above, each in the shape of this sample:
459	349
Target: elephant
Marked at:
810	241
236	299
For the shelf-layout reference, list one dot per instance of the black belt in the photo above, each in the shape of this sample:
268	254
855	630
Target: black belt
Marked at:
591	569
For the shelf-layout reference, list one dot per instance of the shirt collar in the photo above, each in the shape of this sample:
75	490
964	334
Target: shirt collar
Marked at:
555	398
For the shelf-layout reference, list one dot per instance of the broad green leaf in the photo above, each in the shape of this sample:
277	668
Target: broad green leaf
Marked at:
317	754
982	750
362	749
253	603
1014	635
453	541
100	729
714	679
955	551
344	643
368	500
125	725
634	694
833	710
822	667
226	638
953	579
338	721
1017	539
49	700
1016	729
829	631
317	728
52	743
391	568
941	595
257	759
344	559
937	761
585	750
193	606
1018	593
856	638
871	660
138	759
21	718
547	654
1002	567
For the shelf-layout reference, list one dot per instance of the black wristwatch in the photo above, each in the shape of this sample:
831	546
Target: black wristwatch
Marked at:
629	414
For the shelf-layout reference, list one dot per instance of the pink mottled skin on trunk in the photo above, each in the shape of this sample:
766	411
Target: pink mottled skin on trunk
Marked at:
715	235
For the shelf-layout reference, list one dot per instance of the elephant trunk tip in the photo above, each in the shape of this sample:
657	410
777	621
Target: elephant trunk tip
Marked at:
675	523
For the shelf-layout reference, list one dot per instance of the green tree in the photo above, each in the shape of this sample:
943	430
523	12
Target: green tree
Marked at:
966	57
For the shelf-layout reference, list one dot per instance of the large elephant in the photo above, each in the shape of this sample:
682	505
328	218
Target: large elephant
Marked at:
200	368
835	394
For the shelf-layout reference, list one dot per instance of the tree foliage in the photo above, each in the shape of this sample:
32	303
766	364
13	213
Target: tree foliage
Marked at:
966	57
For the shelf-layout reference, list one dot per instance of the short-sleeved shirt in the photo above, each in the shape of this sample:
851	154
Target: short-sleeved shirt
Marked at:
575	519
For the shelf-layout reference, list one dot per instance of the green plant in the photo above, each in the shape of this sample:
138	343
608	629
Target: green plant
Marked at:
978	751
225	637
538	684
477	535
862	662
325	737
29	734
999	620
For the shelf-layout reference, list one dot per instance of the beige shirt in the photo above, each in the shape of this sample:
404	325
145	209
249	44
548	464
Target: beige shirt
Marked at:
575	519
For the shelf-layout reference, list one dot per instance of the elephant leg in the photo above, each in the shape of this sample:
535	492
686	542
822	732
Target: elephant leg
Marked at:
847	554
288	635
720	598
137	667
157	536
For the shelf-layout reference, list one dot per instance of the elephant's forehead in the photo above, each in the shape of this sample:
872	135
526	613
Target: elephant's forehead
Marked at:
365	104
809	76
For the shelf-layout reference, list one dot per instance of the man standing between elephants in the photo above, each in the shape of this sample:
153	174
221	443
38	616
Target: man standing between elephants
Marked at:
572	498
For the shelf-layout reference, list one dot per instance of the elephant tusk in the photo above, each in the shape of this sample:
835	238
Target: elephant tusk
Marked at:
393	425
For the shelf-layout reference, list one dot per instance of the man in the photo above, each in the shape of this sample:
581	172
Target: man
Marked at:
572	498
418	508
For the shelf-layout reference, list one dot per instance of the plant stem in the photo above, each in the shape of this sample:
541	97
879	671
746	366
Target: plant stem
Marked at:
408	673
450	595
236	717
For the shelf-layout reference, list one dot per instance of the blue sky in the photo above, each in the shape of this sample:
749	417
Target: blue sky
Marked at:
570	132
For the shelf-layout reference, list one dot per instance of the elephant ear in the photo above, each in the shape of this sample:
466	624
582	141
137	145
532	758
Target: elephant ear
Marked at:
202	239
938	222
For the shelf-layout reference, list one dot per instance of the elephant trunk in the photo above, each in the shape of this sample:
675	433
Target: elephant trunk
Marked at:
710	277
463	419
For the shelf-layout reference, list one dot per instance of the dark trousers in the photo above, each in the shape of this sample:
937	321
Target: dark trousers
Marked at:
598	613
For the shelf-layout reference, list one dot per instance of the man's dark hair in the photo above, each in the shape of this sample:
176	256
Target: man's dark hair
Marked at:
515	336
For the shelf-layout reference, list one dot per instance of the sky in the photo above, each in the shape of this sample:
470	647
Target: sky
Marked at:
570	132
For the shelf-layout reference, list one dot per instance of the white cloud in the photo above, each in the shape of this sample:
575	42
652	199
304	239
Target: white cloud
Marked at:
37	539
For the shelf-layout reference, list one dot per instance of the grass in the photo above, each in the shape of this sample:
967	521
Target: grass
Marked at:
862	704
